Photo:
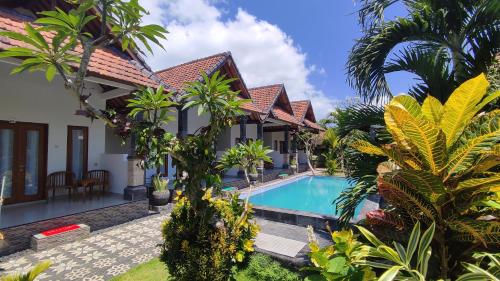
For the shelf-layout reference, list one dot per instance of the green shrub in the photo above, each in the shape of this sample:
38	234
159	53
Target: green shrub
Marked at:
262	267
205	243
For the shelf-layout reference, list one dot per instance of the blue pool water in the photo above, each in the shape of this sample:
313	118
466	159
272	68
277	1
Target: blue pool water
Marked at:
312	194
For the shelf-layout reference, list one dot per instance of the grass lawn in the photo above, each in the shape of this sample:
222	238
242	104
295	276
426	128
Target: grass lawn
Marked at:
155	270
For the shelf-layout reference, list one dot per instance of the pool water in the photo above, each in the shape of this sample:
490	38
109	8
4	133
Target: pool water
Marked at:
312	194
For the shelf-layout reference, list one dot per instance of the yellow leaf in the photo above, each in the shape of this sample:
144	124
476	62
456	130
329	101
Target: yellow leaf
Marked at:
462	106
367	148
424	135
432	109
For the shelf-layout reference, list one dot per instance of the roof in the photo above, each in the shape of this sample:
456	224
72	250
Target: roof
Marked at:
300	108
313	125
107	63
282	115
265	96
178	76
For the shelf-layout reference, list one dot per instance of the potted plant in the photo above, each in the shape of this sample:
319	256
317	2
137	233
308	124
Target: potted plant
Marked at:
160	195
293	165
246	157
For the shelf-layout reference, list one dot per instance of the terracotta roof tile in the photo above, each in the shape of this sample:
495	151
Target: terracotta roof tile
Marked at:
282	115
177	76
300	108
313	125
107	63
265	96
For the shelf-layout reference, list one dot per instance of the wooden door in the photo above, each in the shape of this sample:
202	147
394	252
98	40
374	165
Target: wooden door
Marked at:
23	161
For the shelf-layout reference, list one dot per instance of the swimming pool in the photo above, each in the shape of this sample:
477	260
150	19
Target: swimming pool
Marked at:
312	194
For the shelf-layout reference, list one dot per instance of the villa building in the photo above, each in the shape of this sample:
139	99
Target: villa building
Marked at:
44	138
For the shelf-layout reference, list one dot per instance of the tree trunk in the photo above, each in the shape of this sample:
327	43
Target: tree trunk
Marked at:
443	254
309	162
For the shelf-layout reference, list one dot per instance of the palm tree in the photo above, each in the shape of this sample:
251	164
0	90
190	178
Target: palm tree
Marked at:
443	43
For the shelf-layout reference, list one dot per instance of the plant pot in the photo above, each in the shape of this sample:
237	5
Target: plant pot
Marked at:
253	177
159	198
293	168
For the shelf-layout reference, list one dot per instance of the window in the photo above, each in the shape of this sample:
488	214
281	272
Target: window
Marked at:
275	145
282	147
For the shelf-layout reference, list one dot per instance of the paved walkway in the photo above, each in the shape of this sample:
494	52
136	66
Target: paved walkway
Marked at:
113	251
104	255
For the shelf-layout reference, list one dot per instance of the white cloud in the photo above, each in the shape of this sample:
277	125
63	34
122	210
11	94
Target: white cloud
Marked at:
263	53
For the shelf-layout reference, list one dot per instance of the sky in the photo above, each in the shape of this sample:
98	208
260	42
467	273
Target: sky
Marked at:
301	43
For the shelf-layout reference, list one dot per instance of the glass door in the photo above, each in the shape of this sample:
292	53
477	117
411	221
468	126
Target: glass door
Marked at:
6	160
23	156
77	154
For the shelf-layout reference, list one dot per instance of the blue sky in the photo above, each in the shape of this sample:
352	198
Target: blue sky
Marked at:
301	43
325	30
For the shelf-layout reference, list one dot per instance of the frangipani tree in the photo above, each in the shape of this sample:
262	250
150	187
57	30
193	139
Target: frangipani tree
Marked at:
70	47
246	157
309	140
443	167
151	111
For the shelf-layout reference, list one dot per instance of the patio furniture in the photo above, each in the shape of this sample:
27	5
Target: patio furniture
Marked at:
61	180
88	184
97	177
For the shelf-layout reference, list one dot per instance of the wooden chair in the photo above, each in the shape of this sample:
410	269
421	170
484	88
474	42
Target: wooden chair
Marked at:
100	178
61	180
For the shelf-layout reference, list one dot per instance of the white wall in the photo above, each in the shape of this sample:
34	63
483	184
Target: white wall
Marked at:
195	121
302	157
29	97
117	165
269	138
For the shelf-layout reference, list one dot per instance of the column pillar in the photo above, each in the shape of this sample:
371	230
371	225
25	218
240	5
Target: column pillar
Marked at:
135	189
243	129
260	136
243	138
182	122
286	155
260	131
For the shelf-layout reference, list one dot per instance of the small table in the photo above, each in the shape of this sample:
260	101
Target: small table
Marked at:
88	183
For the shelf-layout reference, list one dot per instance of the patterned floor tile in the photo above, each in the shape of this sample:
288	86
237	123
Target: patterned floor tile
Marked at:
105	254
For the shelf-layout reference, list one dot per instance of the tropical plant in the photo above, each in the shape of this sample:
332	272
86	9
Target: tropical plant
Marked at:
160	183
357	122
205	237
120	24
332	143
195	154
443	43
476	272
150	110
400	263
246	157
263	267
308	140
443	168
206	245
30	275
339	261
